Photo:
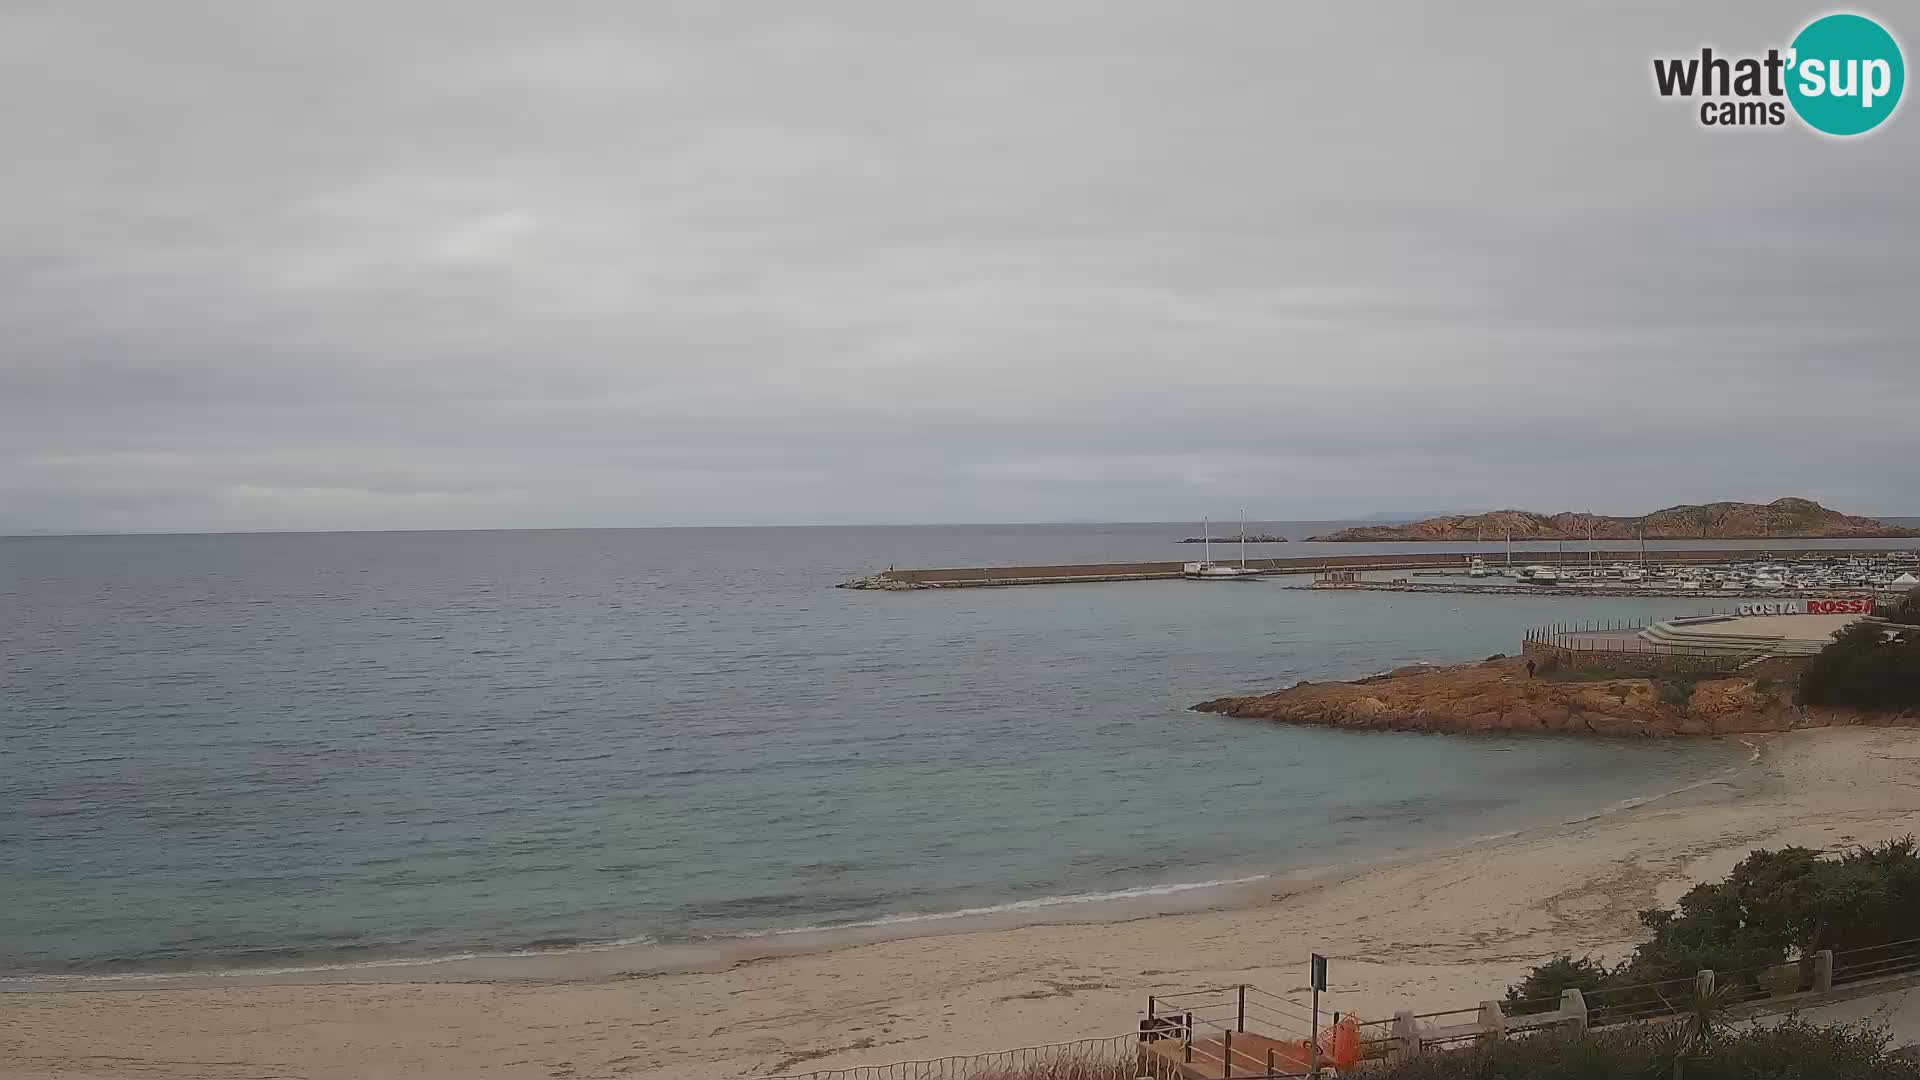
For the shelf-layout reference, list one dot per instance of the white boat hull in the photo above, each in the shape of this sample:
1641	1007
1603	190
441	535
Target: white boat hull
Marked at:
1201	571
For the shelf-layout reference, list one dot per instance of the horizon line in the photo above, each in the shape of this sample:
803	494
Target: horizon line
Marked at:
93	533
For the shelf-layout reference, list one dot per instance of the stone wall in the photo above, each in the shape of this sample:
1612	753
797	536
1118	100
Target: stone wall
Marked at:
1652	664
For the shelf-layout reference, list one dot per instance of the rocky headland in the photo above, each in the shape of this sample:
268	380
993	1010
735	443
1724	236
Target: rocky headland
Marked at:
1498	697
1779	519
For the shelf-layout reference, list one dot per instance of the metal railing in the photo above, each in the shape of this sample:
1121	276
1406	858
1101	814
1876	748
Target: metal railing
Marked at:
1573	641
1876	961
1205	1024
1232	1032
1108	1058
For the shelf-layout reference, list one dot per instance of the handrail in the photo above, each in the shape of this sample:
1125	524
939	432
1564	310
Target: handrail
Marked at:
1251	989
1119	1045
1882	945
1475	1011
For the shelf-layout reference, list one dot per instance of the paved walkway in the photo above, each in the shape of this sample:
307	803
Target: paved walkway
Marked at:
1897	1011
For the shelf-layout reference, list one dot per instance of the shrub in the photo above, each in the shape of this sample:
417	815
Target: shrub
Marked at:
1772	904
1069	1068
1792	1048
1540	991
1865	668
1676	692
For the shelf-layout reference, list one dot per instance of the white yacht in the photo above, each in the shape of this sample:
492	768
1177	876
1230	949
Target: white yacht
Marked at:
1208	570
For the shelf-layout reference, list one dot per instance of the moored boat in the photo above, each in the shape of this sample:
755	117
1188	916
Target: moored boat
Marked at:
1208	570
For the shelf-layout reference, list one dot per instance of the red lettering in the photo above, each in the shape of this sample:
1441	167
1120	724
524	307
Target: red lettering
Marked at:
1851	605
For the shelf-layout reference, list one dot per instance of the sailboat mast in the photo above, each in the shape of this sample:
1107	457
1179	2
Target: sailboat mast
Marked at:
1206	541
1243	539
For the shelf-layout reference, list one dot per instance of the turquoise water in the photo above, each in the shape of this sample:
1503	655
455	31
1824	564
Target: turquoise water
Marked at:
233	751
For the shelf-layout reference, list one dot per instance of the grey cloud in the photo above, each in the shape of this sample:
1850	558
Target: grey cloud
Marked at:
471	265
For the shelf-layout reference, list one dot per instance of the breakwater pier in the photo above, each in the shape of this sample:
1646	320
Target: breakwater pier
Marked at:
1072	573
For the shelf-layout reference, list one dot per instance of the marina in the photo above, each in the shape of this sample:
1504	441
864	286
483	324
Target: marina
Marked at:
1718	573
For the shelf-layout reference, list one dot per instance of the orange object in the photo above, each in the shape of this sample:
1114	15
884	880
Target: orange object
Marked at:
1340	1044
1339	1048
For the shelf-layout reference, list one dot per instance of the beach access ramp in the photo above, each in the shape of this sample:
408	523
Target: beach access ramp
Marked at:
1239	1032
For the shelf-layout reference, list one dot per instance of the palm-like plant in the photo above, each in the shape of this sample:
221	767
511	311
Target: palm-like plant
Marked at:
1704	1020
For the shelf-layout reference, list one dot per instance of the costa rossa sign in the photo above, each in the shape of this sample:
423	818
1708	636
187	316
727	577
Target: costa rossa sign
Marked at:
1846	605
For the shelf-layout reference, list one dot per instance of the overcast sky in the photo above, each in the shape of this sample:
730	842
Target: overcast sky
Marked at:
468	265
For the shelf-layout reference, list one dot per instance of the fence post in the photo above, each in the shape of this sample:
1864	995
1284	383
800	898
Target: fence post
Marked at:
1226	1053
1271	1069
1406	1035
1823	971
1573	1006
1492	1020
1241	1022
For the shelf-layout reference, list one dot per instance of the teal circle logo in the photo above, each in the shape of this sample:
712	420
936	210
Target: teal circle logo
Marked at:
1845	74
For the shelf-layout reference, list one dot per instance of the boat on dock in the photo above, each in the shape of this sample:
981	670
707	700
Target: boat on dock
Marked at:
1208	570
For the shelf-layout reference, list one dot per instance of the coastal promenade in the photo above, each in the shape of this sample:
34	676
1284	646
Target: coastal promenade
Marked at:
1067	573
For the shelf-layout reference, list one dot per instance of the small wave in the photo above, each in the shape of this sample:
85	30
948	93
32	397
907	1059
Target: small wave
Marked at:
1641	800
552	948
1036	904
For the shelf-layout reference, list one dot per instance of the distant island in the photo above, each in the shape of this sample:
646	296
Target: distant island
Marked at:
1779	519
1252	538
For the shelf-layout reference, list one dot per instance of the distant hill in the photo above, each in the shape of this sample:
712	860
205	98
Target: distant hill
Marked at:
1779	519
1412	515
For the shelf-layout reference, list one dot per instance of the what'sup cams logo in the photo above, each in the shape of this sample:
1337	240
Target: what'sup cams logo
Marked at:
1842	75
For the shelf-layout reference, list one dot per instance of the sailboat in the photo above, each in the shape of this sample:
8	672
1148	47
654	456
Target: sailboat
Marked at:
1208	570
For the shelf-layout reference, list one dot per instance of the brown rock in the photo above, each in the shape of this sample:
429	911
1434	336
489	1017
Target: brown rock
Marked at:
1497	696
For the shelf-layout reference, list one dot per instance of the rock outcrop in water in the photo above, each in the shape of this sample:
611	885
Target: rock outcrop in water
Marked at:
1497	697
1779	519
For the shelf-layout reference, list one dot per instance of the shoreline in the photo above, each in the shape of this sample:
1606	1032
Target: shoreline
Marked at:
1443	929
642	956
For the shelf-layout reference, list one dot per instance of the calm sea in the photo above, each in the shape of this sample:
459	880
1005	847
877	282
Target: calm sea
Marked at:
282	750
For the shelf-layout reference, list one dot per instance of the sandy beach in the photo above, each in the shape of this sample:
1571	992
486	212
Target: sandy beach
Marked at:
1445	929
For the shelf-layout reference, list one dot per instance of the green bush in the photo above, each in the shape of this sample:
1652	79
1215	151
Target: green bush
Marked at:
1540	991
1793	1048
1773	904
1676	692
1865	668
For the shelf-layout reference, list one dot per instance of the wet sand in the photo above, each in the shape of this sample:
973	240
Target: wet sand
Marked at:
1446	929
